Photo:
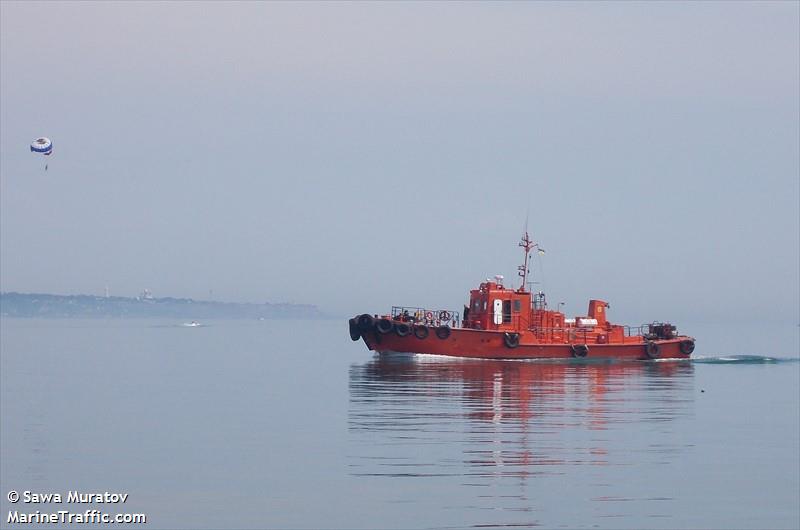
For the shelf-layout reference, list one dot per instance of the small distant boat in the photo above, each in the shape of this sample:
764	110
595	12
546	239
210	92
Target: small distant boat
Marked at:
192	324
506	323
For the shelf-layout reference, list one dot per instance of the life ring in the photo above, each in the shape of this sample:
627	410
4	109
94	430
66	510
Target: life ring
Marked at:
511	339
579	351
429	315
444	315
602	339
443	332
687	347
365	322
355	334
402	329
421	332
652	349
384	326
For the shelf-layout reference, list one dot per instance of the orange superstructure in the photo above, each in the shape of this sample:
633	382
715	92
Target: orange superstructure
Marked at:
505	323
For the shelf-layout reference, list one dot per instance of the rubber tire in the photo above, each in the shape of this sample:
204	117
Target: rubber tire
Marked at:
580	351
511	340
355	334
421	332
365	322
402	329
384	326
443	332
652	350
687	347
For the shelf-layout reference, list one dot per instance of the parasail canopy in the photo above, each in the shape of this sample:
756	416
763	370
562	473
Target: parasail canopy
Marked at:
42	145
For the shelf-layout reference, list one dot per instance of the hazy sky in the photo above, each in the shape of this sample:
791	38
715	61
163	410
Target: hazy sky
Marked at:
368	154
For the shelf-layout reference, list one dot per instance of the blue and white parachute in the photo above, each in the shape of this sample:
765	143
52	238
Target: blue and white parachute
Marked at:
42	145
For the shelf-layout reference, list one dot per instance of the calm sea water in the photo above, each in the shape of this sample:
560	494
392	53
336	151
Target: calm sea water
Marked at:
288	424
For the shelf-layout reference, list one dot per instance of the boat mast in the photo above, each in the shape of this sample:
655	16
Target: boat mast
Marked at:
527	244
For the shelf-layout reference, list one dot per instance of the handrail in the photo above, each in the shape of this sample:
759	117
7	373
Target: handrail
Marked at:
635	331
566	334
429	317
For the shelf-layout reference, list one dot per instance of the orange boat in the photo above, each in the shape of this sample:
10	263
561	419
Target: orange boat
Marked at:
507	323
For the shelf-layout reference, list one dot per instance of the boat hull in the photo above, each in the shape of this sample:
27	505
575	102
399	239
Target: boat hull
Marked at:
491	345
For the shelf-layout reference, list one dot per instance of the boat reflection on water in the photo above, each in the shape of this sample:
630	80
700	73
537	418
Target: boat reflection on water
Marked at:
487	420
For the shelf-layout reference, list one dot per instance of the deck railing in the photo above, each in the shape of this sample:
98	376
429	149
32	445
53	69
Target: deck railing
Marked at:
585	335
560	334
636	331
429	317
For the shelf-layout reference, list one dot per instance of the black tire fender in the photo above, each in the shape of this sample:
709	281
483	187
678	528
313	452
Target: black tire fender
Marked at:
384	326
421	332
652	349
687	347
355	334
579	351
443	332
365	322
402	329
511	340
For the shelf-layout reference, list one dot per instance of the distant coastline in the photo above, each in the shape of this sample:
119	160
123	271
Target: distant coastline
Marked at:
30	305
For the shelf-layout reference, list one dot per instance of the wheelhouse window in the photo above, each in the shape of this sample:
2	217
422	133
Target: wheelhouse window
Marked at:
506	311
517	305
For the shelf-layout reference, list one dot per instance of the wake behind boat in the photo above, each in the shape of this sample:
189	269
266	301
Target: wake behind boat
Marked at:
507	323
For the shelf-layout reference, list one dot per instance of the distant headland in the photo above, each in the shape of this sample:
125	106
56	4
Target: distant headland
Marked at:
28	305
